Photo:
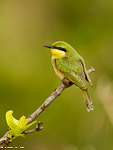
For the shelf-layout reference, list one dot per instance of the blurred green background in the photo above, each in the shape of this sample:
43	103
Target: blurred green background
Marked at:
27	77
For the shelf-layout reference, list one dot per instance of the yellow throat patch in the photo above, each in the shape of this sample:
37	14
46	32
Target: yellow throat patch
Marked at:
57	53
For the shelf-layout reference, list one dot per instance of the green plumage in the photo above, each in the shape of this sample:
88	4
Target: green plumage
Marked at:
72	70
68	64
72	65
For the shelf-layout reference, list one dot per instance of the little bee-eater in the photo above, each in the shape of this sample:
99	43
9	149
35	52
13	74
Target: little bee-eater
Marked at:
70	67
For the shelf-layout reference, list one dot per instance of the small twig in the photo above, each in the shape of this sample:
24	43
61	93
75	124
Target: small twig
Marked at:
37	128
5	140
91	69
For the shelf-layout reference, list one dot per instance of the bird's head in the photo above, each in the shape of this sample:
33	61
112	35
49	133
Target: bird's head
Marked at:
59	49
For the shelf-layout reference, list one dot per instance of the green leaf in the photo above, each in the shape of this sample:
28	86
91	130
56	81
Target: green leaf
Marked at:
22	122
17	126
10	119
27	126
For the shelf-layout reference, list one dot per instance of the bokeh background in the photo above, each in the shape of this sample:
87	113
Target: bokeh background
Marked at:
27	77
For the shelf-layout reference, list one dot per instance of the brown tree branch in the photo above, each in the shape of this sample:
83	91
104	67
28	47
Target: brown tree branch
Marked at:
47	102
5	140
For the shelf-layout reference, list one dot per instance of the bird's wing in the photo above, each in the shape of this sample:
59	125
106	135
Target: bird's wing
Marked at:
73	70
85	72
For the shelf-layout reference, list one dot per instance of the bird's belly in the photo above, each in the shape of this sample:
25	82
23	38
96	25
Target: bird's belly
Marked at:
57	71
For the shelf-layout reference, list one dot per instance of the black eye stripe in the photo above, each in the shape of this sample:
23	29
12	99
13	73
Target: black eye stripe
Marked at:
61	48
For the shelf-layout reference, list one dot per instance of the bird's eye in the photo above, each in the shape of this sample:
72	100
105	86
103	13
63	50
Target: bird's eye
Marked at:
62	48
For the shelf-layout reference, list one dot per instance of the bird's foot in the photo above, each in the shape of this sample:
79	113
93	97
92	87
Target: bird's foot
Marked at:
67	82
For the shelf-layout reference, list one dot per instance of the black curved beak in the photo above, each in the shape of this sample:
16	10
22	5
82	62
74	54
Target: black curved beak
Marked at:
48	46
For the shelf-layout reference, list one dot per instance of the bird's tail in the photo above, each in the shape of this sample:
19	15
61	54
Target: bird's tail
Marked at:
87	99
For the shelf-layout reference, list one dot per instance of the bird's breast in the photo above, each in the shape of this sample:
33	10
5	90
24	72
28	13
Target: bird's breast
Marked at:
57	71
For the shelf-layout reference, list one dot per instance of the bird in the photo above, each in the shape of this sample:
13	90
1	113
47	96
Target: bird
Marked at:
70	68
